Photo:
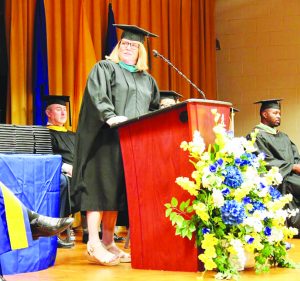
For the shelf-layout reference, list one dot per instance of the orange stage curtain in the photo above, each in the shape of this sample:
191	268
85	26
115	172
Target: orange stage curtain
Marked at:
186	32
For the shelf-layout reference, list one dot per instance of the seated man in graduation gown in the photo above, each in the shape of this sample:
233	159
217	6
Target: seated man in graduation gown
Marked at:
280	152
19	225
169	98
63	142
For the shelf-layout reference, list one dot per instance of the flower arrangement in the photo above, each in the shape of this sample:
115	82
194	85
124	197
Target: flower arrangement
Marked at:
237	210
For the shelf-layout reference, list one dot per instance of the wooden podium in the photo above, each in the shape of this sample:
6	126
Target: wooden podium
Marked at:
153	160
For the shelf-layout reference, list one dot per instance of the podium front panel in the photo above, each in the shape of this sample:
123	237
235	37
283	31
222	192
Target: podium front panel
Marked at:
153	160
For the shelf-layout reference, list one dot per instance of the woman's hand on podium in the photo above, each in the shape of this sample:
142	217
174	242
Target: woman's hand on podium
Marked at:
116	120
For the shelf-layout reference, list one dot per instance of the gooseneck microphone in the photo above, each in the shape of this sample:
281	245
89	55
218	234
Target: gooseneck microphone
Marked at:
157	54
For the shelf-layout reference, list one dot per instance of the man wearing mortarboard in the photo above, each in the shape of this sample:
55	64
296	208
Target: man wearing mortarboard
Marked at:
169	98
63	143
280	152
117	89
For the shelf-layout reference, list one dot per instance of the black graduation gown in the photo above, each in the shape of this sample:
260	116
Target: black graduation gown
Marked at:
281	152
63	143
98	177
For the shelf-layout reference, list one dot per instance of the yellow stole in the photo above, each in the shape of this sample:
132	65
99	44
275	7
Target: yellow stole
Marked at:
57	128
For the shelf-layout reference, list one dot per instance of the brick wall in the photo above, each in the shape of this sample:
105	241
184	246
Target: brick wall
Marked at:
259	59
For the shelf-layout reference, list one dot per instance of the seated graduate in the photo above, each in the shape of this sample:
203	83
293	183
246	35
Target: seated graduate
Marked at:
20	225
280	152
63	142
168	98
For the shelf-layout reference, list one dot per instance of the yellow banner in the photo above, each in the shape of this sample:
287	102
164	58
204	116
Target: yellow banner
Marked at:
15	219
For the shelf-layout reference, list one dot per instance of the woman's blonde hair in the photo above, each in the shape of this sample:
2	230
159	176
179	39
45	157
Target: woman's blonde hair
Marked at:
142	61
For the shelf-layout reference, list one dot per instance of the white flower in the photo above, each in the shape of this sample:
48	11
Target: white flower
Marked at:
254	222
239	259
276	235
218	198
210	180
235	147
248	145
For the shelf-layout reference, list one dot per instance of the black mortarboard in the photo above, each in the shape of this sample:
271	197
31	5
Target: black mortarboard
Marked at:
272	103
53	99
170	94
133	32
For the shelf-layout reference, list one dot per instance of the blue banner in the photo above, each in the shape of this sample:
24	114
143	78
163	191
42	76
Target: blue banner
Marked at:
40	82
111	35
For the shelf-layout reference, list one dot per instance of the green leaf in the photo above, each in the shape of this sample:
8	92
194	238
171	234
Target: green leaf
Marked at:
178	231
174	202
192	228
167	205
189	236
190	209
172	217
182	206
168	212
179	220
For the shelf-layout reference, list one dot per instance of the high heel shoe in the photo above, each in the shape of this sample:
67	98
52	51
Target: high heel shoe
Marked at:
96	250
114	249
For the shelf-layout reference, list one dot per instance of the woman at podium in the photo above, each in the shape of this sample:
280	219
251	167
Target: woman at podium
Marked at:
117	89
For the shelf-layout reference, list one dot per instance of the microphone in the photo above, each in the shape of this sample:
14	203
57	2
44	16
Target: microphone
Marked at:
157	54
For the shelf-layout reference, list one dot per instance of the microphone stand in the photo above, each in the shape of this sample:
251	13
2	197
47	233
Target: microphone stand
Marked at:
157	54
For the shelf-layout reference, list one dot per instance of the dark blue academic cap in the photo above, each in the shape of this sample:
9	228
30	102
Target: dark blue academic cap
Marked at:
271	103
135	33
170	94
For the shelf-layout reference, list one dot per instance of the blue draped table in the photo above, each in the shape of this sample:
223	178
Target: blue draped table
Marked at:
34	179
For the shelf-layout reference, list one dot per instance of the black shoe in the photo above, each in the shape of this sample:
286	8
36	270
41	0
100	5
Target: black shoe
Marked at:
46	226
118	239
64	244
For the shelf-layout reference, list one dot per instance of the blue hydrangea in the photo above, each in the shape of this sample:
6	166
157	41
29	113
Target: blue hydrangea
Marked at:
220	162
262	185
225	191
233	212
257	205
247	159
274	193
247	200
213	168
237	161
233	176
205	230
250	240
267	231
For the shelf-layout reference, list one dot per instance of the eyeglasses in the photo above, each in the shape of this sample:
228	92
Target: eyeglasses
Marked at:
132	45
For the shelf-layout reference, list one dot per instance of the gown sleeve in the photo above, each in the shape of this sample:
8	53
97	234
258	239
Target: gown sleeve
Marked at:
154	105
99	89
285	168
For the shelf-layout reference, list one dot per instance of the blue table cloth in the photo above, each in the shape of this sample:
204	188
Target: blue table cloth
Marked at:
34	179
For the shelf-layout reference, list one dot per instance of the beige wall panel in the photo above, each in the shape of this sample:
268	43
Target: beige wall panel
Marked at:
259	59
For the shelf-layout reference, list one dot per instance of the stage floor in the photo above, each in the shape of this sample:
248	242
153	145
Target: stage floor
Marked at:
71	264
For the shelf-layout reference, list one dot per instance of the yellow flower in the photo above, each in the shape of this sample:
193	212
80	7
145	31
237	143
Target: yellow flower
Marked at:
209	264
184	145
201	211
209	241
188	185
241	192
